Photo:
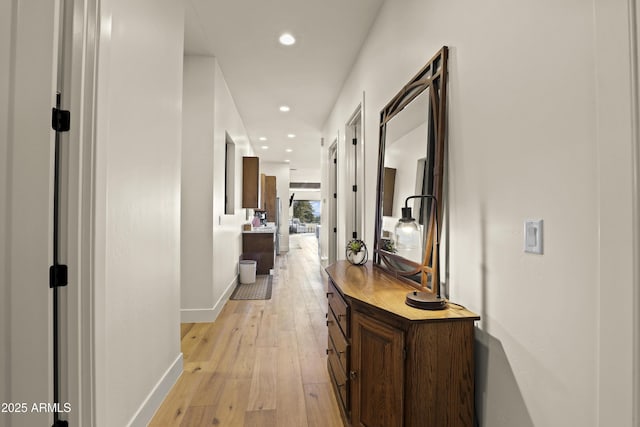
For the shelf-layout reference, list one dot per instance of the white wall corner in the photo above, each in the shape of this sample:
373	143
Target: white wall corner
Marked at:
617	121
204	315
153	401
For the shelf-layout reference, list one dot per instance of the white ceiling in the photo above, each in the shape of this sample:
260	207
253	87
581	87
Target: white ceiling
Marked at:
262	74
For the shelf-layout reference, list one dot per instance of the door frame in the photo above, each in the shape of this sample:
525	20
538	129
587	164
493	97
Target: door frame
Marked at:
332	236
79	69
634	19
354	128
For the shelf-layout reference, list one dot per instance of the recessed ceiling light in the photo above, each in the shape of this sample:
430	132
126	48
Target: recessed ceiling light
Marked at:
287	39
291	135
284	108
264	147
287	160
288	150
262	138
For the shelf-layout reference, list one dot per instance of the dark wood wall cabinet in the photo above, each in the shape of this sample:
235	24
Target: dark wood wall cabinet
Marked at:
388	192
269	197
250	182
392	365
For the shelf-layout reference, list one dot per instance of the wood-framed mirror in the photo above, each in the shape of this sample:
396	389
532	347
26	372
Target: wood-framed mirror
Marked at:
411	163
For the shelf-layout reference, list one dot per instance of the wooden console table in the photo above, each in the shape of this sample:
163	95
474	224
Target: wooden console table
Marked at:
393	365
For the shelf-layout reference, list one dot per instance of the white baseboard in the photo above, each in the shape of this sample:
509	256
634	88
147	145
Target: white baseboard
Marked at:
202	315
157	395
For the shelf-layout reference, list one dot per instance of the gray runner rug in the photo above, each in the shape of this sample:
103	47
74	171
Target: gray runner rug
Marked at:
261	289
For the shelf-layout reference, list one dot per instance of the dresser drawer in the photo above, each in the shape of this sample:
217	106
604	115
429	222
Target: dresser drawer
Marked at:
337	343
340	382
340	309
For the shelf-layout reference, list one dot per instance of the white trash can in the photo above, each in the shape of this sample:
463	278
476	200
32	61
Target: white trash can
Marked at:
248	271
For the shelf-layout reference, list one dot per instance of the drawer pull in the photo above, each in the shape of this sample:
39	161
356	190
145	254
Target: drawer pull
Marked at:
353	375
329	294
342	385
329	321
340	316
329	350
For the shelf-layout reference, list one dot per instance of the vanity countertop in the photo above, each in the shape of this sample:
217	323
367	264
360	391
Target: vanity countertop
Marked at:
261	230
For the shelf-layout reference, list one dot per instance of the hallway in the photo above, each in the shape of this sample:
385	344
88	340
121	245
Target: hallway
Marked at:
261	363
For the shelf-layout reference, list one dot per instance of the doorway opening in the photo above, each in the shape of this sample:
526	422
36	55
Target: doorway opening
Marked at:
306	216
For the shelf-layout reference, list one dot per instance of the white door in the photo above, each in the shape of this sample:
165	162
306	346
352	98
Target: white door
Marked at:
29	80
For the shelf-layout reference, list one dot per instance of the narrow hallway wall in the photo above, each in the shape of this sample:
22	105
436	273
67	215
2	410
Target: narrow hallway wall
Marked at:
211	239
196	237
227	229
137	295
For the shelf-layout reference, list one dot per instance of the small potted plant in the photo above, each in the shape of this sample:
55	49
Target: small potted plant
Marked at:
388	245
356	252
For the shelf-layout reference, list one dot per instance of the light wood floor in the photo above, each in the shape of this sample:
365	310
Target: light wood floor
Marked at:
261	363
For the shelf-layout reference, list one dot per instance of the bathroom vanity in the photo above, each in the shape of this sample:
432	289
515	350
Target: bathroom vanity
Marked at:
259	244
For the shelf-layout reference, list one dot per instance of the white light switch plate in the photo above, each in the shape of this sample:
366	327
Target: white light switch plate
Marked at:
533	236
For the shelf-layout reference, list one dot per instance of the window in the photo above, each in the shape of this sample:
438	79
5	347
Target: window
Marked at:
306	216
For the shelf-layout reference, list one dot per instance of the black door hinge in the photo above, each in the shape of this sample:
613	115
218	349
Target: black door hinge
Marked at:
58	276
61	423
60	120
335	161
355	188
335	195
354	234
335	230
354	141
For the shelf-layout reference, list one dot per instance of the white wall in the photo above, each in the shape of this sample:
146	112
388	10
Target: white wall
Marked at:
523	143
137	208
227	229
305	175
211	240
282	174
196	255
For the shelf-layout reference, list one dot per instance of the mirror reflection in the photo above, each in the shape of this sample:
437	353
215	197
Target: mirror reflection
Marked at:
408	170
